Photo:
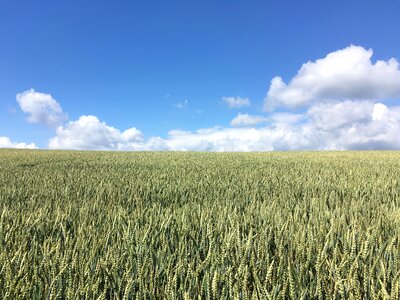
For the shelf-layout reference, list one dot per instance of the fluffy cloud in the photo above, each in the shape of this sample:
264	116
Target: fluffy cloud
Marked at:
327	126
329	116
368	126
41	108
380	131
346	74
281	137
247	120
5	142
236	102
89	133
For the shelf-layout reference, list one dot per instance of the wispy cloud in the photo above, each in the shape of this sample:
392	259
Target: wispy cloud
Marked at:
248	120
181	105
236	102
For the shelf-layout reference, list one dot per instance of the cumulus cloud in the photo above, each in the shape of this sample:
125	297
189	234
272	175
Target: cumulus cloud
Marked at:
329	116
236	102
328	126
347	74
5	142
247	120
380	131
41	108
370	126
89	133
237	139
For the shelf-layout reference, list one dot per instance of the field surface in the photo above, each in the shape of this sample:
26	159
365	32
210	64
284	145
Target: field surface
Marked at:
296	225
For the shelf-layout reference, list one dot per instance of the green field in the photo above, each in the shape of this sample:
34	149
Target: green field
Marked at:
108	225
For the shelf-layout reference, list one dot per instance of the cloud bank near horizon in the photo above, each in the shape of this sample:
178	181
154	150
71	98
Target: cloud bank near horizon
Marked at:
5	142
339	102
89	133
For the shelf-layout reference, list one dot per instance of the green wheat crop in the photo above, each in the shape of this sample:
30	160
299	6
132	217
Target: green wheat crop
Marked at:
108	225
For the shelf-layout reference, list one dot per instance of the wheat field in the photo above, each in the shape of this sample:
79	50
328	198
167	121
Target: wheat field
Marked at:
154	225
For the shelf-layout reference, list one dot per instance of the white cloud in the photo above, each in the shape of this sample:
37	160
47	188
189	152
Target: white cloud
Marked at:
346	74
379	112
334	126
279	137
89	133
247	120
373	126
380	132
5	142
41	108
285	117
216	139
329	116
236	102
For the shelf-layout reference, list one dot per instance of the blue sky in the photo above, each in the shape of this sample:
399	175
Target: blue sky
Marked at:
165	65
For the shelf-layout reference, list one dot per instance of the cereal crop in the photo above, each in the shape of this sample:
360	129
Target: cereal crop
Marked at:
175	225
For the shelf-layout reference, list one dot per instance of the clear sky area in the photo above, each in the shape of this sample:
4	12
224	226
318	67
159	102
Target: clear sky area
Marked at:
200	75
